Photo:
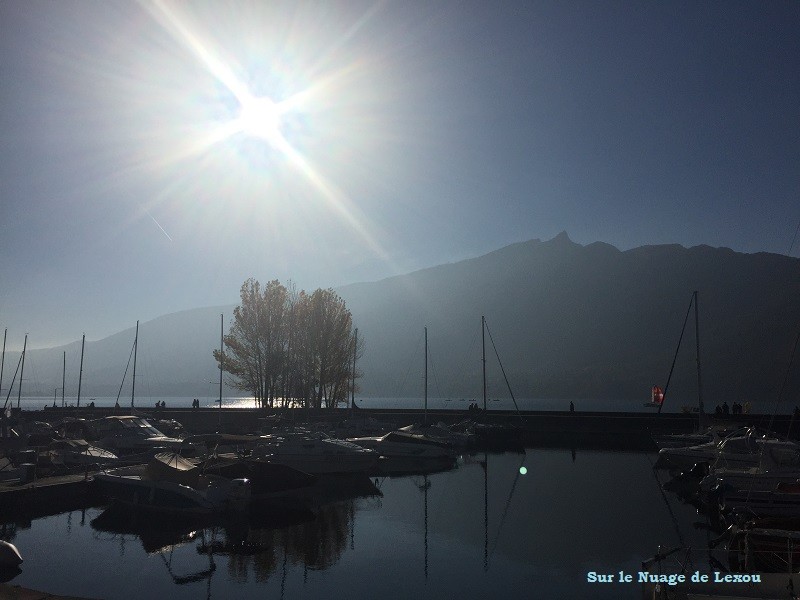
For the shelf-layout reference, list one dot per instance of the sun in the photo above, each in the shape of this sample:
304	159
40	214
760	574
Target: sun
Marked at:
260	118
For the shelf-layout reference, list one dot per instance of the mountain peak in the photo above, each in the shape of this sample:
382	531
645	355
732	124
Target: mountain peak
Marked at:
562	239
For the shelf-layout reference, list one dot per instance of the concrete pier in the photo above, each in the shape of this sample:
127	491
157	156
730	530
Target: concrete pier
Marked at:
623	429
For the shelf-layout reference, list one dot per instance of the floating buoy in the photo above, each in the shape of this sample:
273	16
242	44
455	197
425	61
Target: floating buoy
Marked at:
9	555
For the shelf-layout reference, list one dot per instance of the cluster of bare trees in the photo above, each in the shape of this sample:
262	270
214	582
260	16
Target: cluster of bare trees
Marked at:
291	348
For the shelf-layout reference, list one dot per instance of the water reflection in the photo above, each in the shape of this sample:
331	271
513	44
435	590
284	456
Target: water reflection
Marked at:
255	543
498	525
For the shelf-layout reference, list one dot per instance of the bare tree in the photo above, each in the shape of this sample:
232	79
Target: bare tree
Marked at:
290	347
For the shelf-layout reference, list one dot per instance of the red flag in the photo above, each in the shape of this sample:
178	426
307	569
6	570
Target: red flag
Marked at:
657	395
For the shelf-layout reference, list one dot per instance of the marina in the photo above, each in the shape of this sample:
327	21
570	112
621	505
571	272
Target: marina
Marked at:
477	530
246	250
513	518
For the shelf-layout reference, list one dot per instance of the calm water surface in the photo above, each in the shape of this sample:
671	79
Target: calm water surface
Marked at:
474	532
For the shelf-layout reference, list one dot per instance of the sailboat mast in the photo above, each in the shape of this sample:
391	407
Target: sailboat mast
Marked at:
63	379
80	373
3	360
353	383
135	348
697	346
483	358
21	371
221	336
425	413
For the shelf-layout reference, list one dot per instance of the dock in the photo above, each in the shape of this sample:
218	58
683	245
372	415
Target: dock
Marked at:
16	592
582	428
47	496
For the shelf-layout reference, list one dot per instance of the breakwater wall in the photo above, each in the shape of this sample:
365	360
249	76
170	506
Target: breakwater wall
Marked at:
604	429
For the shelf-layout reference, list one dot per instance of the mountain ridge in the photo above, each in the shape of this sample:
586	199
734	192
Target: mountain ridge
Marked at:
570	321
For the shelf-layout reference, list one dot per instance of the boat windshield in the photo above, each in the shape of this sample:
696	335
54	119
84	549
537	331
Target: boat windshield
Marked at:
140	426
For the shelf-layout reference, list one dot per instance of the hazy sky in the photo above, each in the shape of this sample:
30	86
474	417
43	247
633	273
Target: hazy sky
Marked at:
154	155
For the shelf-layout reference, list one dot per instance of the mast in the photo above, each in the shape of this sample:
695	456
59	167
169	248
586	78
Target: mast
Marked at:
63	379
697	350
353	384
483	358
425	413
3	360
135	348
6	404
221	335
22	370
80	373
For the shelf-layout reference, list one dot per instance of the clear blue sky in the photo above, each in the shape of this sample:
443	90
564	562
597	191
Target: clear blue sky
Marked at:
135	180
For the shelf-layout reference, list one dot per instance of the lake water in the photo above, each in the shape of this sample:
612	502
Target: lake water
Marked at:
482	530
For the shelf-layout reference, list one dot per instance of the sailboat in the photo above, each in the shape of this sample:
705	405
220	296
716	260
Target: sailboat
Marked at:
657	395
436	432
500	435
411	442
701	435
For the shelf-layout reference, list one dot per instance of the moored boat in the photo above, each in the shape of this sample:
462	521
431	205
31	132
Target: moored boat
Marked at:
741	449
79	453
266	478
131	434
441	433
779	462
169	483
315	454
404	444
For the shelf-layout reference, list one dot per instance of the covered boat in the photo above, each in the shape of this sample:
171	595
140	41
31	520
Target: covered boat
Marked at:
169	483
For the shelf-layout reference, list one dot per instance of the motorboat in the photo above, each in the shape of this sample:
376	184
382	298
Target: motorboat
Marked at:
78	453
131	434
9	473
783	501
266	478
360	427
405	444
741	449
315	453
172	484
440	432
714	434
779	462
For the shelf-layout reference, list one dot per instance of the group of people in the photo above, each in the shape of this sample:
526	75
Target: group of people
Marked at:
737	409
196	403
161	404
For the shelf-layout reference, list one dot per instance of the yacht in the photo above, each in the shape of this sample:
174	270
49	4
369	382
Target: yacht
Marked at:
131	434
172	484
78	453
779	462
741	449
315	453
405	444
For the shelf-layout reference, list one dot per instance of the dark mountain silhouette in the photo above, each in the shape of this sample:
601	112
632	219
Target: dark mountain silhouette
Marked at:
568	321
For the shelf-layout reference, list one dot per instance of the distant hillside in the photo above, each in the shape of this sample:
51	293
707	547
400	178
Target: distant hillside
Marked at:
174	358
569	321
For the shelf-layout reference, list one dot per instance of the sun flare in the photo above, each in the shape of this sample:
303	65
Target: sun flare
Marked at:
260	118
